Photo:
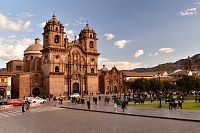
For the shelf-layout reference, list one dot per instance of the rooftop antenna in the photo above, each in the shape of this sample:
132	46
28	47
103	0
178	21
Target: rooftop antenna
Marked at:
54	14
87	23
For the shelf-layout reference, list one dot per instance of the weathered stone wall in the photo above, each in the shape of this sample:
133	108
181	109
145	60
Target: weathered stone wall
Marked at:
56	83
24	85
93	86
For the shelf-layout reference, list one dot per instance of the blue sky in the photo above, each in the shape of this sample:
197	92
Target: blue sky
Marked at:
131	33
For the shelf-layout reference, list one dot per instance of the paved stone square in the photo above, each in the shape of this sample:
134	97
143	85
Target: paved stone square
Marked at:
76	121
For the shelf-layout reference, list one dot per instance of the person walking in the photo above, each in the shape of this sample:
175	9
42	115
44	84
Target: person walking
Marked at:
54	99
88	104
23	107
123	105
115	107
27	106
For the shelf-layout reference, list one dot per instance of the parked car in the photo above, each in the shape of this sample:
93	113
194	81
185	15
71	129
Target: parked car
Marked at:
15	102
75	95
37	100
3	102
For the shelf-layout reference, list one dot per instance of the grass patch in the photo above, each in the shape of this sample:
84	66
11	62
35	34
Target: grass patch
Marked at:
191	106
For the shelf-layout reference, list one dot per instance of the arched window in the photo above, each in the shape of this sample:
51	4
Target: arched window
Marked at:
91	44
56	39
56	69
56	28
90	35
92	70
18	68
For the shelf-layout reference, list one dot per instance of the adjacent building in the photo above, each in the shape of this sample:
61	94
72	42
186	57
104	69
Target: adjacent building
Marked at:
5	85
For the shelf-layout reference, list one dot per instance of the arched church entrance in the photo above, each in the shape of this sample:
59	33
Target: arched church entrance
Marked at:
2	92
36	92
75	88
115	89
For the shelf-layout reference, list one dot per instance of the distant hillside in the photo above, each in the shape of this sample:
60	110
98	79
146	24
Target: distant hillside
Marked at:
170	66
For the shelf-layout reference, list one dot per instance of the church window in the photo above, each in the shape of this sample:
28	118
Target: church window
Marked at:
56	28
92	70
56	69
90	35
57	56
91	44
56	39
2	80
36	77
31	57
92	60
18	68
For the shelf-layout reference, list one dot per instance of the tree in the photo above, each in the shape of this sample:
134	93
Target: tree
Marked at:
188	83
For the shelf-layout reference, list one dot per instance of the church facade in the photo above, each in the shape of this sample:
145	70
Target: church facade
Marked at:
57	67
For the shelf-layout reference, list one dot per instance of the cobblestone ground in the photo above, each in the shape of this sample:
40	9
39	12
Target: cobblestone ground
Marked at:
160	112
75	121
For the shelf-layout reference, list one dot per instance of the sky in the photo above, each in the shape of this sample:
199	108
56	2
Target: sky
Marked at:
131	33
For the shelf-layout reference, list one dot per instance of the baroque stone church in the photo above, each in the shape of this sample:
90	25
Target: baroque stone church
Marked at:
57	67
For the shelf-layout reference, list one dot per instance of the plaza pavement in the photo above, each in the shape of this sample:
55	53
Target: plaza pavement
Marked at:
162	113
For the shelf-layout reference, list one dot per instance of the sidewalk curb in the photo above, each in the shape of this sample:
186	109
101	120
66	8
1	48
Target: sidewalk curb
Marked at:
148	116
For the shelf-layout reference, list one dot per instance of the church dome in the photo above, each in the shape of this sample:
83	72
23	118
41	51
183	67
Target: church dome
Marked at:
53	20
84	32
87	28
34	48
104	69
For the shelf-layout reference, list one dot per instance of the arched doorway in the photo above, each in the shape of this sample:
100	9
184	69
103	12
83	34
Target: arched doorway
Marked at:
36	92
2	92
115	89
75	88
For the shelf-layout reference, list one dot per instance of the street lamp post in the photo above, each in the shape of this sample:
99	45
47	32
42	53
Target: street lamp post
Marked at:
124	88
160	105
120	91
83	81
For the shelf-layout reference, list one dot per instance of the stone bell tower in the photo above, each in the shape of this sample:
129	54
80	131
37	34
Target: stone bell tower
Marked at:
88	40
52	57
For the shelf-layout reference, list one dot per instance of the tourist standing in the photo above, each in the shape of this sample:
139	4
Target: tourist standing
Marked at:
23	107
54	99
123	105
115	107
27	106
88	104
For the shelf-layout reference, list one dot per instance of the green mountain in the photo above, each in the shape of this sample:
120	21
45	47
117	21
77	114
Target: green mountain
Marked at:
170	66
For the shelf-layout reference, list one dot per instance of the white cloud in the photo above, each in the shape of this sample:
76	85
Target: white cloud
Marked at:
166	50
120	65
5	23
121	43
79	21
11	48
108	36
189	12
70	34
25	15
139	53
192	11
42	24
155	54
